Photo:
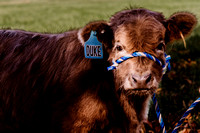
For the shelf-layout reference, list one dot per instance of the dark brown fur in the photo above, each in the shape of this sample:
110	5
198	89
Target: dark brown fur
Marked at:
47	85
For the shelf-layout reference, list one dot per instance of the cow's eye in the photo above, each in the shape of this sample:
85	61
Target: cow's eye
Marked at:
119	48
160	46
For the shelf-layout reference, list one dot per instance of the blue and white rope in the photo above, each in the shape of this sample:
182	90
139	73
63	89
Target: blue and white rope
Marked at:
185	115
167	65
141	54
158	114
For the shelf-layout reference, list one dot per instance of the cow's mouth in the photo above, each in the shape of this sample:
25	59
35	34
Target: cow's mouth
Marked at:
138	91
141	89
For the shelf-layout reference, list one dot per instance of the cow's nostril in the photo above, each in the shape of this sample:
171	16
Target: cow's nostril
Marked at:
148	78
142	79
134	79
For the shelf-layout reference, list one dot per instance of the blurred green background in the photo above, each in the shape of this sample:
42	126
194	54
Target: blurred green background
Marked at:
179	88
60	15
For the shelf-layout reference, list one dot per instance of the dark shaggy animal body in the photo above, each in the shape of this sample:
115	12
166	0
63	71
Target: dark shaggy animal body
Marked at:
47	85
31	68
45	80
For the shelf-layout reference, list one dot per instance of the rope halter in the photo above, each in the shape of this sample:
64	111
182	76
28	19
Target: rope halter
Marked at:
165	66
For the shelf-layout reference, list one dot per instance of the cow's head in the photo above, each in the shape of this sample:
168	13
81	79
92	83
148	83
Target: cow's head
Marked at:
144	31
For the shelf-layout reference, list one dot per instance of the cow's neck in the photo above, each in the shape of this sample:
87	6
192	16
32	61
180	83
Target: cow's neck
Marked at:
138	107
141	106
129	112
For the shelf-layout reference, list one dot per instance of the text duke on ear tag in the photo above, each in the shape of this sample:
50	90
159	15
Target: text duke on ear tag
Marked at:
93	48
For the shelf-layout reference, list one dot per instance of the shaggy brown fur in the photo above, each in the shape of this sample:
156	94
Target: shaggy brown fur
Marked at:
145	31
47	85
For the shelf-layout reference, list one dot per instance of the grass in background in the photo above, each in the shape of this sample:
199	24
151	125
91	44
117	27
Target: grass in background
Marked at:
178	89
61	15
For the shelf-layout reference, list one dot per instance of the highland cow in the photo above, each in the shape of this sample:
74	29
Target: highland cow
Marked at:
47	84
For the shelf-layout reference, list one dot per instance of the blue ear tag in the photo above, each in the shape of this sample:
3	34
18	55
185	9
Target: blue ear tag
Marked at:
93	48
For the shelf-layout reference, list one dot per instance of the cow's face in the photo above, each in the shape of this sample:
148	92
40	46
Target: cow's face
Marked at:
143	31
139	75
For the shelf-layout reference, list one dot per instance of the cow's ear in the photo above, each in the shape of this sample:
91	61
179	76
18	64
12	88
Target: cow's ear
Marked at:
179	23
103	32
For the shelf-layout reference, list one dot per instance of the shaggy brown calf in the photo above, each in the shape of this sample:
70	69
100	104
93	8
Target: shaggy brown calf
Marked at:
47	85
